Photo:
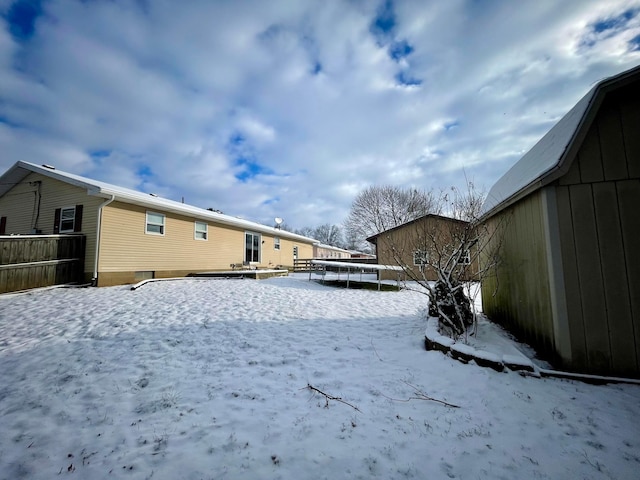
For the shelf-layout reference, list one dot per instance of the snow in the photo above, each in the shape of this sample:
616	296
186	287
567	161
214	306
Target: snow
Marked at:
542	158
356	266
196	379
513	360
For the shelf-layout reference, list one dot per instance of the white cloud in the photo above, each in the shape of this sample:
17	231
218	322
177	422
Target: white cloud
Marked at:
159	89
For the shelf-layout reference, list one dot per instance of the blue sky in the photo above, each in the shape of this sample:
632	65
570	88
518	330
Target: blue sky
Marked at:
289	109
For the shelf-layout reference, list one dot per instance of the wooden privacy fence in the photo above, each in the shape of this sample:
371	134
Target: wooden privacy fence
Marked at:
30	261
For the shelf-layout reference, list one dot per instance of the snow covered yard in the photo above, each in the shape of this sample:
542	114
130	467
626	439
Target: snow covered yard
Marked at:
204	379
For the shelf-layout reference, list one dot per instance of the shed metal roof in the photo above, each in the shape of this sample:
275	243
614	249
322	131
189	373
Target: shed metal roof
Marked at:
548	158
20	170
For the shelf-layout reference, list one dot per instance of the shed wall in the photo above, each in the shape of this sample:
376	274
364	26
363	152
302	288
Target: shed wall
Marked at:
516	293
599	229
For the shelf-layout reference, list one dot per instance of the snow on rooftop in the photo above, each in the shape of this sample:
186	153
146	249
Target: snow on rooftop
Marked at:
548	153
96	187
541	159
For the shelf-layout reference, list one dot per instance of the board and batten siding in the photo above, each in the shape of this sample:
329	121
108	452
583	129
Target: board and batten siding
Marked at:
599	223
516	293
20	206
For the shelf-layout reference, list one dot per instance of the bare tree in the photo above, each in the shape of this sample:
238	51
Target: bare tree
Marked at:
329	235
352	242
306	232
379	208
442	254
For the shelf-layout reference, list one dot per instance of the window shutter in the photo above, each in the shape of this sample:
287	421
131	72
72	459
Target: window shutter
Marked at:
77	224
3	225
56	221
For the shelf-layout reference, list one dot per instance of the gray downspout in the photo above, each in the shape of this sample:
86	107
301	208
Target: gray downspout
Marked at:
94	280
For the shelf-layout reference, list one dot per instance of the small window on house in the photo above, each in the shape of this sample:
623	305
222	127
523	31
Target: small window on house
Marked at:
465	258
155	223
201	231
420	257
67	219
276	243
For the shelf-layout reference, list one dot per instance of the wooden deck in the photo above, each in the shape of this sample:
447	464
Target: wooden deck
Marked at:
253	274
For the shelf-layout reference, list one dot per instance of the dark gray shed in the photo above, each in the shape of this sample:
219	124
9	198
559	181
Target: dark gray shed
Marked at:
569	210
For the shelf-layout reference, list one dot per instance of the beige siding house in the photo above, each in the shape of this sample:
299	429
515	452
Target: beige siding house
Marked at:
131	235
569	281
328	252
416	243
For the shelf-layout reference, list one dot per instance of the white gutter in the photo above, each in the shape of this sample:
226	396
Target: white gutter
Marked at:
94	280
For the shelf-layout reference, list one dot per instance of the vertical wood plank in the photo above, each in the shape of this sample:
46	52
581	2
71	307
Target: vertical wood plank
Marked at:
590	278
16	250
571	281
614	276
590	158
630	115
628	200
572	177
614	160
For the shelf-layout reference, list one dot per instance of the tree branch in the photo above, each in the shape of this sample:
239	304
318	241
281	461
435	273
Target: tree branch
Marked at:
328	397
420	395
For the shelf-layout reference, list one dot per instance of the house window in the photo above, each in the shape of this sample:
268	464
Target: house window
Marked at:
155	223
465	258
295	252
67	219
276	243
420	257
201	231
252	247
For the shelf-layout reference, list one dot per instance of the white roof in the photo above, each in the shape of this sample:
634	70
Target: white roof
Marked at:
549	154
106	190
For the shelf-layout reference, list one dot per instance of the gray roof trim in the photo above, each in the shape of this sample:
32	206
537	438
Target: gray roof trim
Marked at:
20	170
548	159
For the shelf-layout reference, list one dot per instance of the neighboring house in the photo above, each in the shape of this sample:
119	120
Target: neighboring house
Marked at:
323	251
416	243
569	281
357	254
132	235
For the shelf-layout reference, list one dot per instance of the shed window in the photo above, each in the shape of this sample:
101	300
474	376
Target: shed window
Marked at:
420	257
276	243
465	258
155	223
201	231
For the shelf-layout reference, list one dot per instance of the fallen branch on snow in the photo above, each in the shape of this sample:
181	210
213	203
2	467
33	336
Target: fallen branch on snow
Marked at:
328	397
420	395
